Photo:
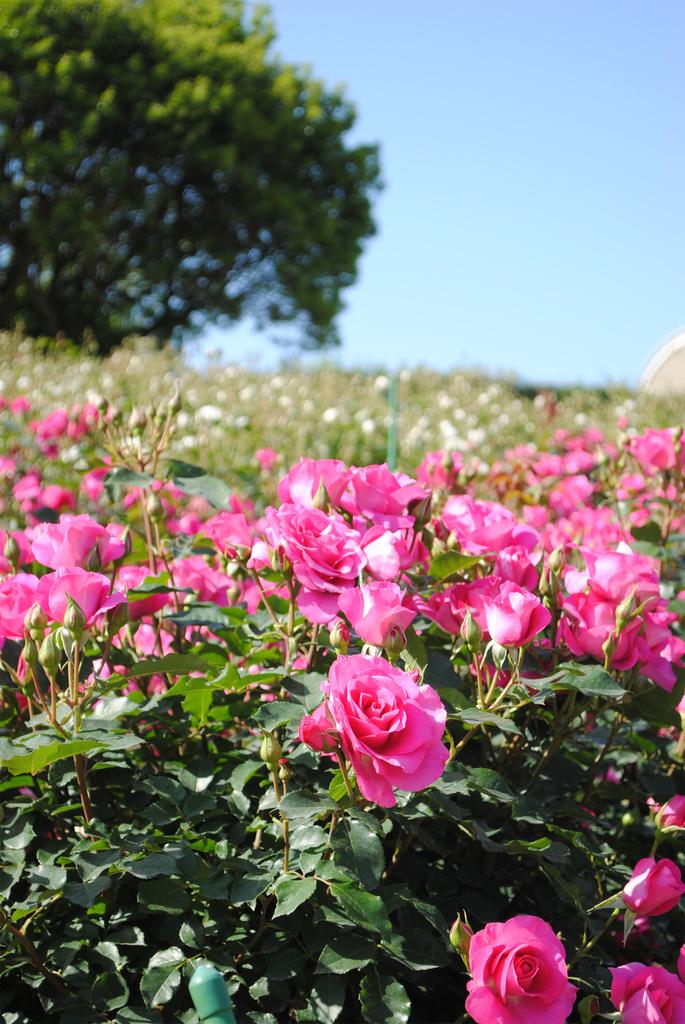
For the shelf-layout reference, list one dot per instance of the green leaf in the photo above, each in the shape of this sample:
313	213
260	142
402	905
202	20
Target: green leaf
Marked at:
249	887
173	664
327	998
474	716
490	783
119	479
199	484
49	753
162	976
364	908
110	989
650	532
591	680
450	562
84	894
301	805
152	866
201	613
165	894
359	849
383	999
274	714
291	893
345	953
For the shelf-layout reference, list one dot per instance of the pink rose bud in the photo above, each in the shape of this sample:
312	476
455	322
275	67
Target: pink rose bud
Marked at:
671	816
460	937
518	974
318	732
654	888
340	637
375	610
588	1009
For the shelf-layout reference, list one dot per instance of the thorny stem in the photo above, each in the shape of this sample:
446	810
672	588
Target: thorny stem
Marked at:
31	952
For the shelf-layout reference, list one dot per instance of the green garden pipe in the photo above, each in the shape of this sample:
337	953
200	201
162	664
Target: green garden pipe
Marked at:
392	429
210	996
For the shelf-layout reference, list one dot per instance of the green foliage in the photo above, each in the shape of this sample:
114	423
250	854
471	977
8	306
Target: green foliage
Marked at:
164	167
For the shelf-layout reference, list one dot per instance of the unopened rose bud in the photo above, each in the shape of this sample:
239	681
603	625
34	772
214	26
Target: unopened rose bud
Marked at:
608	647
30	652
499	655
93	563
588	1009
115	415
340	637
117	618
284	772
557	560
460	938
50	654
11	551
421	510
154	508
471	632
321	499
624	613
137	421
175	400
394	641
74	619
35	620
270	750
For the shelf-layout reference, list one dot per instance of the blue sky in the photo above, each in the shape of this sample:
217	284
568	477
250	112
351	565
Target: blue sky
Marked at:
533	219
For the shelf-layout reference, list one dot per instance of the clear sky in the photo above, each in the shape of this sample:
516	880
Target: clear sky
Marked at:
533	153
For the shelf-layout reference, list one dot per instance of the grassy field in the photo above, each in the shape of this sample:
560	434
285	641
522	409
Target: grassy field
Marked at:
230	411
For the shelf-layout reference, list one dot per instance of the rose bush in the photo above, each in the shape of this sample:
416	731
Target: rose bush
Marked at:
298	725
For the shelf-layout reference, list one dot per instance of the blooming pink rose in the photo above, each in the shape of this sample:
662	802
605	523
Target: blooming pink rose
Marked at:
518	565
300	484
57	498
654	888
89	590
390	728
381	496
374	609
77	541
518	974
130	577
17	594
92	482
209	583
514	616
647	995
440	470
654	450
671	814
571	492
324	553
267	458
230	532
389	552
586	624
482	527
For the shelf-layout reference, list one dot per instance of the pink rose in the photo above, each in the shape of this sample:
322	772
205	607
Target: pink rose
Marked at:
57	498
482	527
324	553
654	450
654	888
514	615
318	732
23	545
209	583
300	484
130	577
17	594
390	728
518	974
518	565
230	532
440	470
373	609
381	496
77	541
647	995
89	590
389	552
586	624
671	814
267	458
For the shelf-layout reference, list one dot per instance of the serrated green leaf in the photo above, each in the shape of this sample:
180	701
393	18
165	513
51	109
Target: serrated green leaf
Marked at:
199	484
491	783
383	999
84	894
474	716
364	908
346	953
49	753
173	664
358	848
450	562
291	893
162	976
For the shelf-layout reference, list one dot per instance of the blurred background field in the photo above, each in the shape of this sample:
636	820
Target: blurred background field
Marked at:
230	411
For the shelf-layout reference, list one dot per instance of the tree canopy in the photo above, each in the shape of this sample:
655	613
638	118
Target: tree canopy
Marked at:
162	167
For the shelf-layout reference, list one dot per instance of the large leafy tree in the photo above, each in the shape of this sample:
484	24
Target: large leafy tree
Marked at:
162	167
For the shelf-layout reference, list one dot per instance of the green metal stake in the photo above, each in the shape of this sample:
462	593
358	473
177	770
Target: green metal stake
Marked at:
392	430
209	994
